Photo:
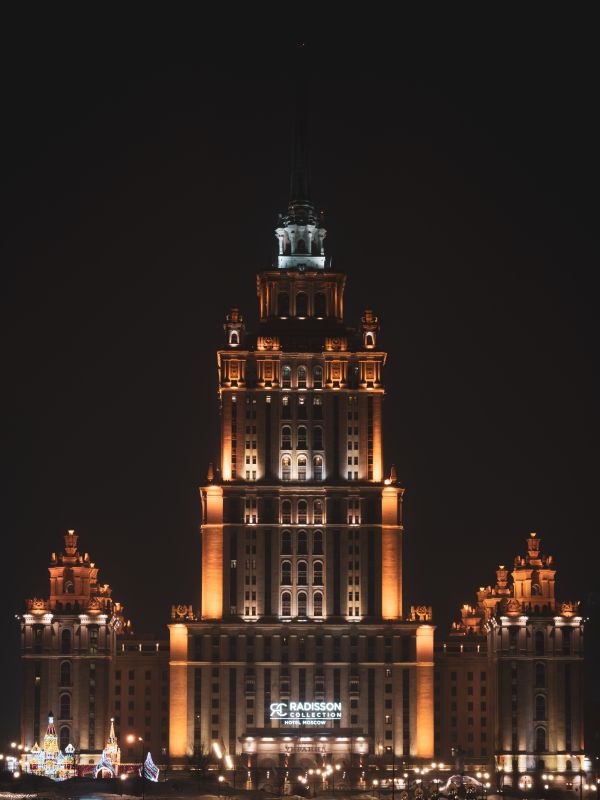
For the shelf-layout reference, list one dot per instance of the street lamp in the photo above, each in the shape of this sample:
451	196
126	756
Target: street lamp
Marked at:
130	739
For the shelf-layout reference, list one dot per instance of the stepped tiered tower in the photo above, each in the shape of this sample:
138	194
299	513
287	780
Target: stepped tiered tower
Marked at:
68	642
300	652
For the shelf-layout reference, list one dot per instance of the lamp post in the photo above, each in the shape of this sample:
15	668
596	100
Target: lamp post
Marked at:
131	738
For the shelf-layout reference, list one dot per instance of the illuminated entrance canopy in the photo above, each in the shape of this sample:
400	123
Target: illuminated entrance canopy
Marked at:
306	712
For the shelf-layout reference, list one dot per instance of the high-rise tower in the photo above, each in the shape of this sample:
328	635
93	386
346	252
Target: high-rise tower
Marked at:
301	598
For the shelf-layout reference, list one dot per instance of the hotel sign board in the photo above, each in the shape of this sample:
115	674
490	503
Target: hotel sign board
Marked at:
306	712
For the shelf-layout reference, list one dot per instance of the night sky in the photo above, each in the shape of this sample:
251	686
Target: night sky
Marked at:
144	163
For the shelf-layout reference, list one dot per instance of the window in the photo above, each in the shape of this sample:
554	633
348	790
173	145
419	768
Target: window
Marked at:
318	377
286	376
301	468
286	510
286	475
318	438
286	573
65	641
318	512
317	408
317	543
283	304
286	543
301	304
301	604
318	471
302	512
65	673
302	377
302	573
539	643
234	338
318	573
65	737
302	543
540	740
286	409
318	604
540	676
286	437
540	706
320	305
302	411
302	438
65	706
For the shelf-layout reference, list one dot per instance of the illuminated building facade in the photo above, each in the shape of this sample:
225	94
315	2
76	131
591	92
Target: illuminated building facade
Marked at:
68	643
301	587
509	686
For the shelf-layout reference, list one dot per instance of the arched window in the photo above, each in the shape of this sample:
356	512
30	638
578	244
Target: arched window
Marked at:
286	409
64	706
369	340
540	740
301	246
283	304
318	377
302	440
535	589
301	304
65	673
65	737
318	438
318	512
286	573
318	543
302	512
286	604
302	543
301	468
286	438
317	468
569	765
301	604
320	305
286	376
317	604
286	473
286	543
318	573
540	676
302	377
539	643
65	641
69	587
302	573
234	338
540	707
286	509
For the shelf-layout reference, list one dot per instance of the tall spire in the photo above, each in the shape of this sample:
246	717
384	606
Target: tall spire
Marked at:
300	231
300	176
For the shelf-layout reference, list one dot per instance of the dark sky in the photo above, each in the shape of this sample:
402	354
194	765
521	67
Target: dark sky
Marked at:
143	166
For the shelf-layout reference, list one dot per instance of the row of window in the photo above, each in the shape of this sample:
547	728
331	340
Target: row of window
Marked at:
301	468
301	377
301	407
301	543
302	442
301	604
301	298
301	512
301	573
